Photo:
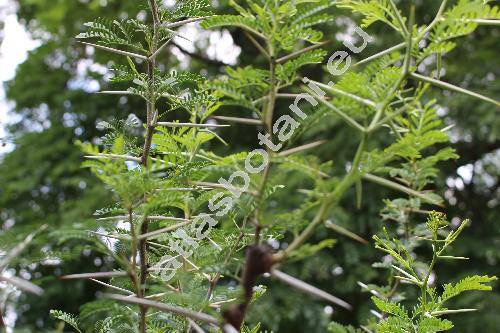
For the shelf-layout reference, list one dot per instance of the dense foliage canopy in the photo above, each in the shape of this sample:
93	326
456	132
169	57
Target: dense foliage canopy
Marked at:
347	148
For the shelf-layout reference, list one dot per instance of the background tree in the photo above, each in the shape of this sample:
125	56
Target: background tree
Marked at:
33	192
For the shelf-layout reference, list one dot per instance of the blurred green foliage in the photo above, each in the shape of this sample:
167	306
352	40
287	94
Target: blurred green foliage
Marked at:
41	181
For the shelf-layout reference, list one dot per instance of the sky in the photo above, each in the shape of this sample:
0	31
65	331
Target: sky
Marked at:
14	48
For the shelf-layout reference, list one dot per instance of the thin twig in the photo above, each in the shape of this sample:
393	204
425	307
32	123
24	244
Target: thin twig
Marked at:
401	188
221	186
336	91
445	312
343	231
196	327
301	148
399	18
184	22
246	121
171	124
155	233
381	54
110	49
166	308
16	251
305	287
22	284
482	21
95	275
440	12
154	55
115	92
342	114
257	44
111	286
114	236
113	156
452	87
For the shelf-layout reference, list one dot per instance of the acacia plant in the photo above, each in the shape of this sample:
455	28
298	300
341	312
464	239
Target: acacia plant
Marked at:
188	225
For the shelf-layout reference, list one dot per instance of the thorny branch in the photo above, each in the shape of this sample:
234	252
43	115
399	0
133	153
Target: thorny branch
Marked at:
151	118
